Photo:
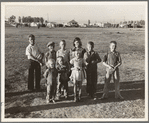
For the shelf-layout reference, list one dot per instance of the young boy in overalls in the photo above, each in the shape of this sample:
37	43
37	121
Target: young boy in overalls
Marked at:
112	61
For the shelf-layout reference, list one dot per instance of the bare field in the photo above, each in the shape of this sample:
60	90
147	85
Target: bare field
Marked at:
20	103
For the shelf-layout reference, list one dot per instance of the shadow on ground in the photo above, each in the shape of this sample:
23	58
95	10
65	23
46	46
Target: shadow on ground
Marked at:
129	90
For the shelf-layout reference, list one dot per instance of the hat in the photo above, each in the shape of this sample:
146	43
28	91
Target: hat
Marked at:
50	43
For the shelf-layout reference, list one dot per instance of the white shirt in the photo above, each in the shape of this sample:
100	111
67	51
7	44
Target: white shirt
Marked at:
32	50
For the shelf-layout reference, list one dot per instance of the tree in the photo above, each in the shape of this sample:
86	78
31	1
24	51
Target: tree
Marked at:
41	20
19	19
12	18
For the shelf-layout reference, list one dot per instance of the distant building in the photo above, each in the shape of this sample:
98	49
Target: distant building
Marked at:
107	25
73	23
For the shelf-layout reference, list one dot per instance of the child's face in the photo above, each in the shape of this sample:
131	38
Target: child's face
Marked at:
78	55
76	44
112	47
62	45
51	65
89	47
60	61
31	41
51	48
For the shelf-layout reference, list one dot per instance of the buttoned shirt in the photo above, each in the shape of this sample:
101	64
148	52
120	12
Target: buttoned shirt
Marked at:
32	50
64	54
112	58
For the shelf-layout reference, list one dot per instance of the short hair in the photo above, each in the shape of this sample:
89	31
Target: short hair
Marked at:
58	58
114	42
91	43
77	39
31	36
63	42
51	61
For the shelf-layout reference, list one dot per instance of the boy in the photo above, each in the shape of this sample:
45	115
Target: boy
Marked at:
51	77
62	68
34	56
51	54
112	61
91	60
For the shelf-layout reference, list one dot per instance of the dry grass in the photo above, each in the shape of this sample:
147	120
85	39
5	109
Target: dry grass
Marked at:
131	45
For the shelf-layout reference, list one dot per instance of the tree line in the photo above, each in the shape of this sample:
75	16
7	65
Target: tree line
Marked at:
27	19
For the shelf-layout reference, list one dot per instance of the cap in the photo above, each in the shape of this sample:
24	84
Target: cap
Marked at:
50	43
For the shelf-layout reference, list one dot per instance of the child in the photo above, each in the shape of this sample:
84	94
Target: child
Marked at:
65	54
112	61
35	57
51	54
62	68
51	77
91	59
77	47
78	74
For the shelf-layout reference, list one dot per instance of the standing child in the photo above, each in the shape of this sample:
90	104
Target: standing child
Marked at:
63	52
51	54
77	47
35	58
112	61
78	74
51	77
91	59
62	68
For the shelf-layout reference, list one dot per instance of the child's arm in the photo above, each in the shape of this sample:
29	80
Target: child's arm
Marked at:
46	73
98	59
119	61
104	62
86	59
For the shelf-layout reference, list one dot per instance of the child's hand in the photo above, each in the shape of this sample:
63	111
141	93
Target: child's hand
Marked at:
93	62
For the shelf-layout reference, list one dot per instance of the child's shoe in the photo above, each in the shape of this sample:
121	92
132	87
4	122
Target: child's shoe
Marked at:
75	99
103	96
119	97
53	101
47	101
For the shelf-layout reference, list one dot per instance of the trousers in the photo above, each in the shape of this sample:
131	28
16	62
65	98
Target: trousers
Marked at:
34	73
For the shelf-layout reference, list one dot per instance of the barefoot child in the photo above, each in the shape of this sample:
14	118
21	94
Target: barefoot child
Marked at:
112	61
51	77
62	68
35	59
78	74
91	59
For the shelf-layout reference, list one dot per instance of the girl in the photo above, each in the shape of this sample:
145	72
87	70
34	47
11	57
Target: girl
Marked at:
51	77
78	74
77	47
62	68
91	59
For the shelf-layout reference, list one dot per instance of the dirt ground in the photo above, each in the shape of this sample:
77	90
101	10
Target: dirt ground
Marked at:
20	103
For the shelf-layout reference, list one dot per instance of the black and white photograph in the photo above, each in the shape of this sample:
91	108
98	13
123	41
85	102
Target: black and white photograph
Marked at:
74	61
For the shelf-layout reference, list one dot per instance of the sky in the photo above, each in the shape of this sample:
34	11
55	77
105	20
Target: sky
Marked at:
81	11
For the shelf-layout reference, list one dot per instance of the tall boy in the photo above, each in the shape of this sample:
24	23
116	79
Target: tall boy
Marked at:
112	61
34	56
